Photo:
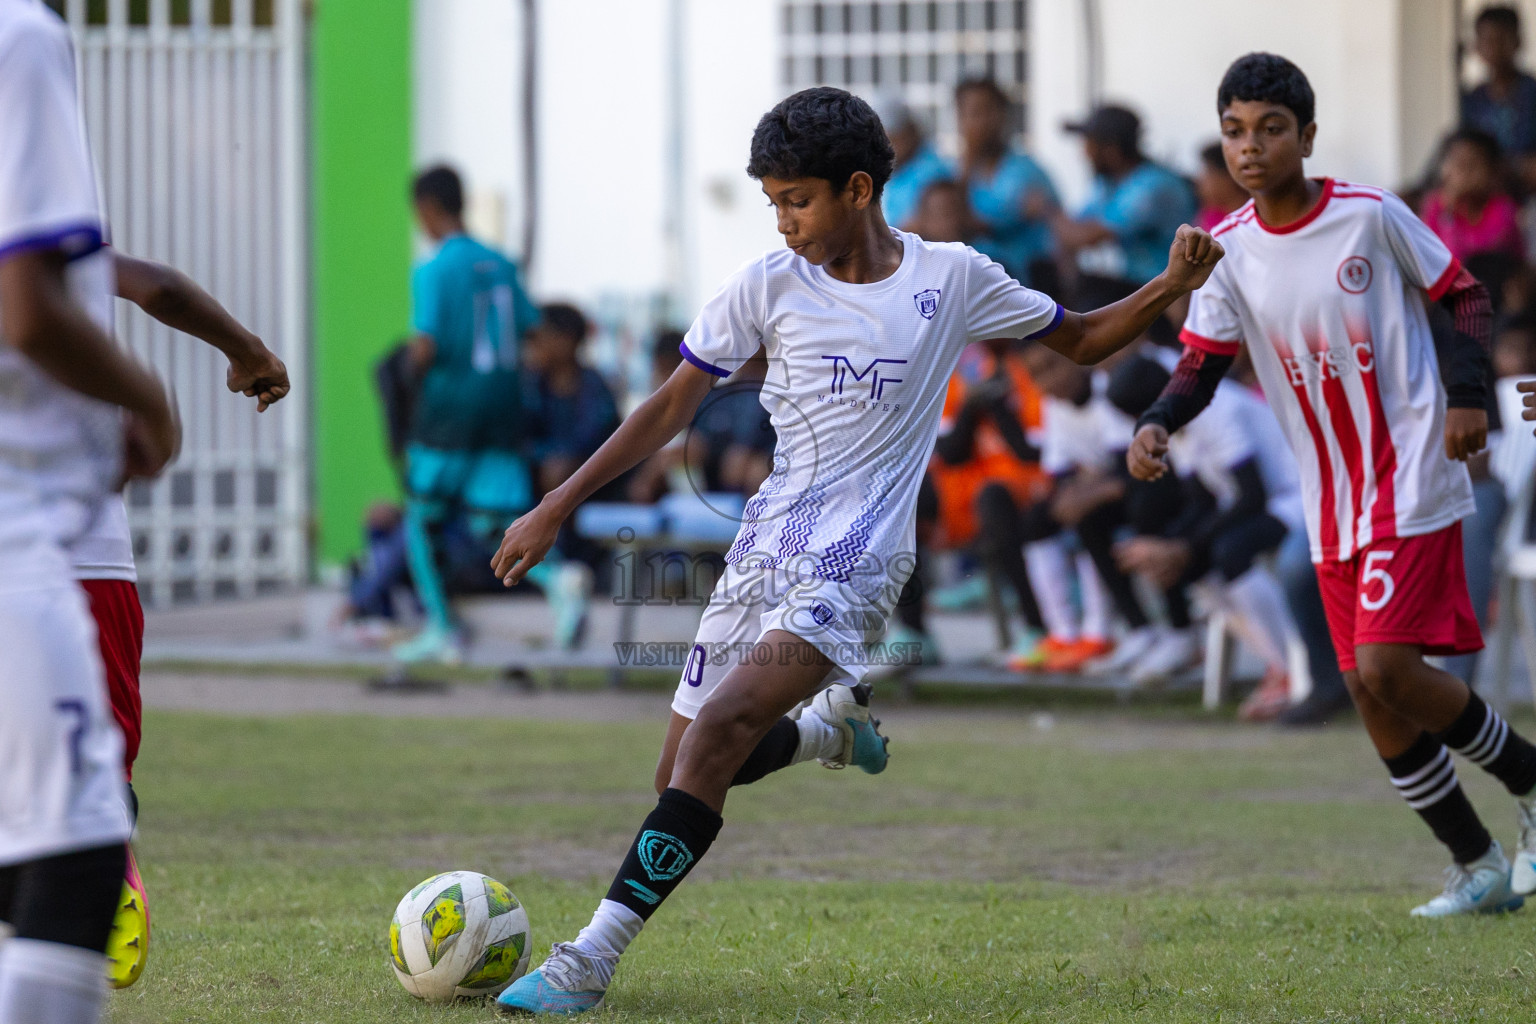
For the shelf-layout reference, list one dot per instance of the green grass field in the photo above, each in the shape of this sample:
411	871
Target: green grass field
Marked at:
1110	868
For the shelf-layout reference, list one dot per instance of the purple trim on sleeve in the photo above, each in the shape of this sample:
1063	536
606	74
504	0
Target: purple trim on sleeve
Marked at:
701	364
75	241
1055	323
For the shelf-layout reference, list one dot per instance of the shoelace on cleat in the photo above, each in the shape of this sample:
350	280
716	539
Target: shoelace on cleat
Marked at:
1457	878
568	961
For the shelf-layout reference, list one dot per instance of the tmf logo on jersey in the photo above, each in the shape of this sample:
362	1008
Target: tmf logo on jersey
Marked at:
842	367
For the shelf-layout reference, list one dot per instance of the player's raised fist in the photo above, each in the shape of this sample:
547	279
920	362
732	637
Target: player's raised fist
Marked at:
1145	456
1528	388
1192	257
524	545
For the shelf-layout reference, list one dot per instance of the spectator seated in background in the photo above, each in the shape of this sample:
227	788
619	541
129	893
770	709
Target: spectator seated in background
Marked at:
570	412
1469	209
731	442
1082	448
943	212
1505	105
570	408
728	446
917	163
986	470
1218	192
1120	238
369	615
1242	496
1009	192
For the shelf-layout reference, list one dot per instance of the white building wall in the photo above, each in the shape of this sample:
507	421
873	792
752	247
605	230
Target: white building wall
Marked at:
1381	68
1166	59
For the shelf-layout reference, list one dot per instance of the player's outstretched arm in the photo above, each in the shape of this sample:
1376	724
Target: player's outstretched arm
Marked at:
647	430
180	303
40	320
1089	338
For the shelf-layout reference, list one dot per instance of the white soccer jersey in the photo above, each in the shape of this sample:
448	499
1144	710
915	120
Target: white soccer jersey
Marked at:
856	384
1235	428
1090	436
1332	311
59	451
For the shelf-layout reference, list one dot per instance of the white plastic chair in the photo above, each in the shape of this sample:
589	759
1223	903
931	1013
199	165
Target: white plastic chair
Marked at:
1514	463
1221	645
1517	595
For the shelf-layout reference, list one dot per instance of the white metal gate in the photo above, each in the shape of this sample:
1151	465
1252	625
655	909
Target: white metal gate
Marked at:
918	48
195	110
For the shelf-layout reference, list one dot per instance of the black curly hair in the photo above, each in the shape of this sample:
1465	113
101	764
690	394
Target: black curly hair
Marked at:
1267	78
822	133
442	185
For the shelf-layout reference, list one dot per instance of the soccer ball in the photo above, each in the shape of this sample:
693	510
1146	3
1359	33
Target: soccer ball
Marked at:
458	934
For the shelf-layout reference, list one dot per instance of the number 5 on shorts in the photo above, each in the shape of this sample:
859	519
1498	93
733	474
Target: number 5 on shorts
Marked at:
1370	575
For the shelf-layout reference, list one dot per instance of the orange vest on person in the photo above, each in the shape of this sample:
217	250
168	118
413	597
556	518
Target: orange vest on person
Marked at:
991	461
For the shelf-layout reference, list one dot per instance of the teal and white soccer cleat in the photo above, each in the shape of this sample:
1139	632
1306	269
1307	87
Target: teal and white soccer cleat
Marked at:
432	644
1481	887
573	980
846	709
1522	876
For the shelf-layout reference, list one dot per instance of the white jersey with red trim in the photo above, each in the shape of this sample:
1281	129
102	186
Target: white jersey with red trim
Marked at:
1332	309
60	452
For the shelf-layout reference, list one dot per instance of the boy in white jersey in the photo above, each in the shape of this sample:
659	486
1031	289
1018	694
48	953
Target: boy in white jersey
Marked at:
1325	282
77	417
863	327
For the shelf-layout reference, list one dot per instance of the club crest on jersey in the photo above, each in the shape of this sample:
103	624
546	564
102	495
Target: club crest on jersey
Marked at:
1355	274
927	302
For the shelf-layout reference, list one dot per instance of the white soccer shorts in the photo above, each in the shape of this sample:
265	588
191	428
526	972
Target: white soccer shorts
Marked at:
61	784
841	620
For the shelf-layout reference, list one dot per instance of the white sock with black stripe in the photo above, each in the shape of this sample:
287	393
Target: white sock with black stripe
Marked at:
1425	775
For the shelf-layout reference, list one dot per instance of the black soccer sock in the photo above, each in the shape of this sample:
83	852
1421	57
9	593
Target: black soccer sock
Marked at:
775	751
675	835
1482	736
1425	775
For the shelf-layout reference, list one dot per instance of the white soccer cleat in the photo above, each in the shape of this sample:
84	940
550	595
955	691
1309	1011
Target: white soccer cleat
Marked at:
1174	651
1131	649
1481	887
846	709
1522	876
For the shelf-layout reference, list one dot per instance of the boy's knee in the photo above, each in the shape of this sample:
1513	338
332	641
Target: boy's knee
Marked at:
1381	673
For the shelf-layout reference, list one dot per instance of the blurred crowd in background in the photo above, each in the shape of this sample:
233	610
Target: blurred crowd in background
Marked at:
1027	504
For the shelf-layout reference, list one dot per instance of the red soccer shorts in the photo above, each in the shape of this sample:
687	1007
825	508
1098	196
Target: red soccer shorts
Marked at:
1404	590
120	630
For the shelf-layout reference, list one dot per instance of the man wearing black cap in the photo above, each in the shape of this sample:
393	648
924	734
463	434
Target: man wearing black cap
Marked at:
1134	209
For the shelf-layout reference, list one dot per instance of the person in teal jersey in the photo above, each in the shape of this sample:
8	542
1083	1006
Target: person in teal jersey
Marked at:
1135	205
464	457
918	164
1005	185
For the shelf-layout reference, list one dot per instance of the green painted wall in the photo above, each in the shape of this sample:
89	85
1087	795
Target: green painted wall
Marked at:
361	96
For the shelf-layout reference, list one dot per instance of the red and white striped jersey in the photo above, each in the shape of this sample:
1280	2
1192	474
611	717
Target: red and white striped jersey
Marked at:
1332	309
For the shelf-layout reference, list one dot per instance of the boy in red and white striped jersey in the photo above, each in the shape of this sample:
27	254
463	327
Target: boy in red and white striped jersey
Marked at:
1326	283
